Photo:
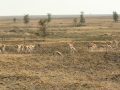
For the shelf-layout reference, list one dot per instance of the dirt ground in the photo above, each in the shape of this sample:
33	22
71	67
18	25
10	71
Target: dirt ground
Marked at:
83	70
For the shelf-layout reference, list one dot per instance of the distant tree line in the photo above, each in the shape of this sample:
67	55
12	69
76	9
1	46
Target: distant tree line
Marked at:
42	23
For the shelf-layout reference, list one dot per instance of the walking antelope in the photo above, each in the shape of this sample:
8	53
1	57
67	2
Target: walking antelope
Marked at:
25	49
115	44
20	48
109	48
92	46
2	48
71	45
57	55
71	48
29	48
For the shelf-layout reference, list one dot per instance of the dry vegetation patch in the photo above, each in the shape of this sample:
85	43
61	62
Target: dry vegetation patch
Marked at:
83	70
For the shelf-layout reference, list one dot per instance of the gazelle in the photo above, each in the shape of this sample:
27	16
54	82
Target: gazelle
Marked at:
71	48
71	45
109	48
115	44
2	48
92	46
57	55
20	48
29	48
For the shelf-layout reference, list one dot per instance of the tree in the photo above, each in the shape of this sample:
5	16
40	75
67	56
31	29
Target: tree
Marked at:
49	17
115	16
26	19
14	19
43	23
75	21
82	19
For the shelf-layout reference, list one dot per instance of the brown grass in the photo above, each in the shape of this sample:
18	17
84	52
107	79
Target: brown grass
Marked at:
81	71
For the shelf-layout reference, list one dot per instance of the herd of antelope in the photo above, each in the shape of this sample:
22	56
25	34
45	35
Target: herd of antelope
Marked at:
57	54
114	45
70	48
25	48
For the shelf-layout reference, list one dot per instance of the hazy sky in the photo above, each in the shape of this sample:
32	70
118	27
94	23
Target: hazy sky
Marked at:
58	7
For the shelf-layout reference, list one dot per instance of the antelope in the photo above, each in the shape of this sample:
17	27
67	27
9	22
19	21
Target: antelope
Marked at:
2	48
71	45
71	48
20	48
115	44
58	55
23	48
109	48
29	48
92	46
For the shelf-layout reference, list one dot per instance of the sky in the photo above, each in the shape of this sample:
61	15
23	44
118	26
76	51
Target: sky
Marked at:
58	7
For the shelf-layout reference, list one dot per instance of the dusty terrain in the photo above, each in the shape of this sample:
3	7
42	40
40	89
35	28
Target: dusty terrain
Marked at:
84	70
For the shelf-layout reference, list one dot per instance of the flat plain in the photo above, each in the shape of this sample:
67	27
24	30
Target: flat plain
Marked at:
83	70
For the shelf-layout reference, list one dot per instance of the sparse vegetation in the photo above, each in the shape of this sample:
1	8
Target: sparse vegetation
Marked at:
84	70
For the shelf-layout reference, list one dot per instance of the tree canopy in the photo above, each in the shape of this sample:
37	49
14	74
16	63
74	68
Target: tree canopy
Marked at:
26	19
82	19
115	16
14	19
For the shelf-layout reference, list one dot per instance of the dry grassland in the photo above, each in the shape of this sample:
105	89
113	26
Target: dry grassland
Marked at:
84	70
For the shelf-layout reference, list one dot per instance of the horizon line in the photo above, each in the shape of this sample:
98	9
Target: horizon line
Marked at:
54	14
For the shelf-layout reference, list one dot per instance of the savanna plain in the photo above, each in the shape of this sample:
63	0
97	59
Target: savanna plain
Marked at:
40	70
